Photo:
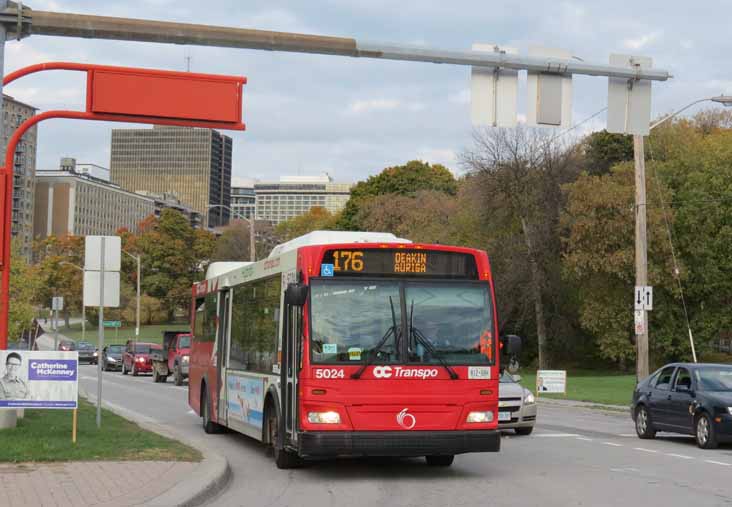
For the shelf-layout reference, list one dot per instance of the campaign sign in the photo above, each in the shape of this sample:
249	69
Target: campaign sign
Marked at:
39	379
551	381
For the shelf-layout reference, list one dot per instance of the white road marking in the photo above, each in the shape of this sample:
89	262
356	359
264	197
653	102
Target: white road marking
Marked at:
627	435
557	435
644	450
717	462
612	444
682	456
584	439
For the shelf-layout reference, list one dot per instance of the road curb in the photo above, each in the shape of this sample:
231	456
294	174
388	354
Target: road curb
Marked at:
584	404
208	480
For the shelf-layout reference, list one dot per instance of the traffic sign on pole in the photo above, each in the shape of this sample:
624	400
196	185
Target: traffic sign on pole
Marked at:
643	299
493	91
549	92
629	100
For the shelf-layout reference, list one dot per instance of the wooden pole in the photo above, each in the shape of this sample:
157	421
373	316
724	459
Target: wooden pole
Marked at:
641	252
73	428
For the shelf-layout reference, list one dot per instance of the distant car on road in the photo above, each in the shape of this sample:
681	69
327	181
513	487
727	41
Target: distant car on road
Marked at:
112	357
516	405
136	357
86	352
67	345
689	398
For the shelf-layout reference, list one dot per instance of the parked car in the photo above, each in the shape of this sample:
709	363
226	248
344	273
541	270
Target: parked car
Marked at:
87	352
689	398
66	345
112	357
516	405
136	357
173	358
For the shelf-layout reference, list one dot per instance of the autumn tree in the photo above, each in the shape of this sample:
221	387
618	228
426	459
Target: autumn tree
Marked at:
524	169
23	284
401	180
603	150
316	219
58	273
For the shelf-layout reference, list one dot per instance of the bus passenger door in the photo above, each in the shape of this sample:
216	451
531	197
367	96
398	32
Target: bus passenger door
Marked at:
291	337
222	340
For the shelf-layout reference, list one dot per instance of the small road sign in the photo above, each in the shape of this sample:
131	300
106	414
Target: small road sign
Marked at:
112	323
57	303
643	298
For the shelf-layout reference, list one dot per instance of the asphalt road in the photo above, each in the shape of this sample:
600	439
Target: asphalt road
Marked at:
576	456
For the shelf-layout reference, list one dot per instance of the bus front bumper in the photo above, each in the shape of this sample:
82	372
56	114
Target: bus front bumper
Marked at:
396	443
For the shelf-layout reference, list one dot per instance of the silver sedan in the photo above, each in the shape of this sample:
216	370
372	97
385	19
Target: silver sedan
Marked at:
516	405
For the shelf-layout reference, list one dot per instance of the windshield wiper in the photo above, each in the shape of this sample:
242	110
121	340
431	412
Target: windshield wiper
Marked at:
372	353
419	337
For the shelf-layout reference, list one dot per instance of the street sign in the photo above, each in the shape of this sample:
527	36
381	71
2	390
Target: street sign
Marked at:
493	91
629	100
643	298
57	303
112	253
111	288
640	321
112	323
549	92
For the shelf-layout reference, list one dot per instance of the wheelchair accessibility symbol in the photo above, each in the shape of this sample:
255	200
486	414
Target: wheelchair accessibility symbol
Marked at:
326	270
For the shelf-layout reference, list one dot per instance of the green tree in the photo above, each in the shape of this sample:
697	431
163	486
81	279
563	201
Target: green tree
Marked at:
603	150
23	284
402	180
58	274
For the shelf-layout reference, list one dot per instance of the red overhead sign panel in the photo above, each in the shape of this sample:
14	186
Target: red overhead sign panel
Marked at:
170	95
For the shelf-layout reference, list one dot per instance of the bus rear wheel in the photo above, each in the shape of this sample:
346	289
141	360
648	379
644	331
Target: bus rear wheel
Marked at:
283	458
440	461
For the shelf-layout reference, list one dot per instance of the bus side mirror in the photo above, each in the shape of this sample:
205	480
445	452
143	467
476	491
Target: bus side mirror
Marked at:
296	294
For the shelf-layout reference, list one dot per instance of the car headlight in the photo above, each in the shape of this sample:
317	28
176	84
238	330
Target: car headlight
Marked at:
324	417
111	360
140	359
479	417
96	354
186	359
529	397
729	410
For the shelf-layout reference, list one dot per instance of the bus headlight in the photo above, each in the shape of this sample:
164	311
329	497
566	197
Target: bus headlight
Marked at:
324	417
479	417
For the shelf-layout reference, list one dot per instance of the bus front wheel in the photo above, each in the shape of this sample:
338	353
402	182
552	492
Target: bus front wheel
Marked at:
283	458
440	461
208	425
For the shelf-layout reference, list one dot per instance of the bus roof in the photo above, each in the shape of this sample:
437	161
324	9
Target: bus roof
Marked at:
335	237
219	268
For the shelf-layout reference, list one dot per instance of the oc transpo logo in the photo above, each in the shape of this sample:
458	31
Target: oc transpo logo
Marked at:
406	420
382	371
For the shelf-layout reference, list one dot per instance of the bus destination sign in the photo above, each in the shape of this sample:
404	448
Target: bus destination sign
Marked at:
399	262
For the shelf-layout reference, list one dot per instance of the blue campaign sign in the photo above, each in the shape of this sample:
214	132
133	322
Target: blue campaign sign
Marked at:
39	379
326	270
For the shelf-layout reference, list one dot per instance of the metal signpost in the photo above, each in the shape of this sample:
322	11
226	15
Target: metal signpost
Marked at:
101	288
57	304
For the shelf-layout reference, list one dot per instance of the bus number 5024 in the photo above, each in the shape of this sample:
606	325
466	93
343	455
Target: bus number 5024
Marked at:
329	373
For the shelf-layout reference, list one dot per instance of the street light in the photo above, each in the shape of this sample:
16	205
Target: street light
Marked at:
137	311
641	239
83	308
250	221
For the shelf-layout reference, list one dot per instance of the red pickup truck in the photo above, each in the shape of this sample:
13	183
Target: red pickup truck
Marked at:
173	358
136	357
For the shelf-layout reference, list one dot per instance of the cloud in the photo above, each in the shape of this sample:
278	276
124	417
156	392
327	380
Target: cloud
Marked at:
369	106
642	41
444	156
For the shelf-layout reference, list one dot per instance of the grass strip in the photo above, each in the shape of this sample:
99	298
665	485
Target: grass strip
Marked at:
591	386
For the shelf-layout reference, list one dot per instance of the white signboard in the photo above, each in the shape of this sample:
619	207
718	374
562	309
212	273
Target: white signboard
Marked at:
93	253
643	298
111	288
629	107
39	379
551	381
640	322
57	303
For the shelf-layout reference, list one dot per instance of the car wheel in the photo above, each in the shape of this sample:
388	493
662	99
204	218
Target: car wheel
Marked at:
524	431
283	458
209	426
643	425
134	370
706	437
177	375
104	368
156	377
440	461
124	369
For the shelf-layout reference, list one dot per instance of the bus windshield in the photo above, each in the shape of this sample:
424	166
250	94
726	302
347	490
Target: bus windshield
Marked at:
448	322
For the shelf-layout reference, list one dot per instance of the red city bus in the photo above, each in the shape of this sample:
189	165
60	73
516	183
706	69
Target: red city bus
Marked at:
350	344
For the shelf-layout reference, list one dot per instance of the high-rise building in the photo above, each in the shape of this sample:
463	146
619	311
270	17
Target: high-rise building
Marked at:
242	198
24	169
192	163
296	195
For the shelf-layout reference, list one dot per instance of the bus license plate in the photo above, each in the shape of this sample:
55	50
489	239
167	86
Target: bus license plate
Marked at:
504	416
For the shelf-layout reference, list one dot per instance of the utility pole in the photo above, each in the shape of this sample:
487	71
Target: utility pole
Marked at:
641	251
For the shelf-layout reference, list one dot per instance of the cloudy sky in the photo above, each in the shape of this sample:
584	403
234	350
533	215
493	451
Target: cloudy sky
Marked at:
308	114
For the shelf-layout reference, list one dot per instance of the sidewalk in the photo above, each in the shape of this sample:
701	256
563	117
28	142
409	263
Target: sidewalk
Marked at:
113	483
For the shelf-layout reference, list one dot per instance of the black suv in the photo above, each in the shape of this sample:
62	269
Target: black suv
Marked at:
689	398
